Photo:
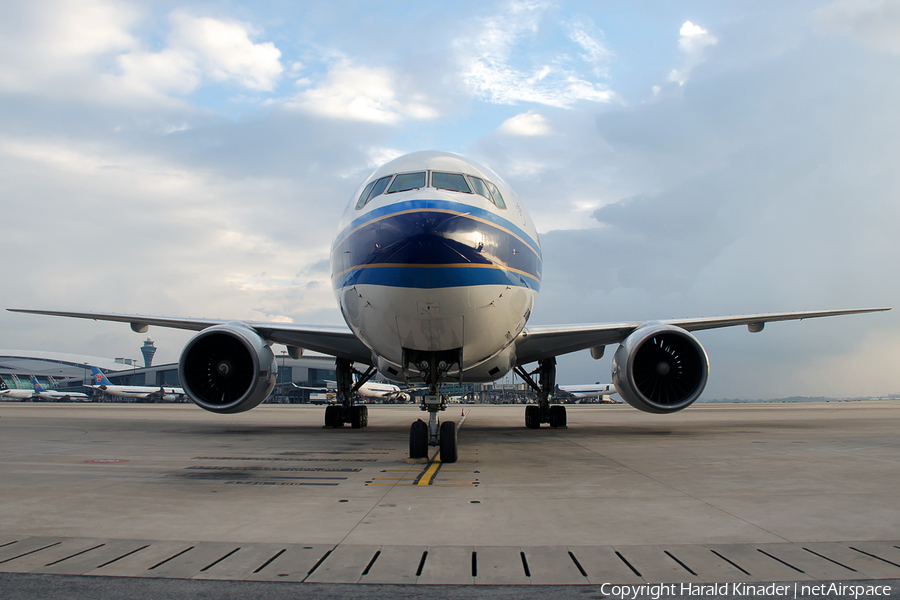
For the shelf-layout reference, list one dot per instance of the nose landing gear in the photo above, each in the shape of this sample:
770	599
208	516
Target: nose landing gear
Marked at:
433	367
434	433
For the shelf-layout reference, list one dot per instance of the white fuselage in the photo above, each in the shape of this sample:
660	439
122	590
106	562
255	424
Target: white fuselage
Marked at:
17	394
140	392
431	271
55	395
383	391
374	389
589	391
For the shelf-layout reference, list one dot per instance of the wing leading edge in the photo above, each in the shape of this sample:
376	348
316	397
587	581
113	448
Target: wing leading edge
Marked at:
332	340
532	344
537	343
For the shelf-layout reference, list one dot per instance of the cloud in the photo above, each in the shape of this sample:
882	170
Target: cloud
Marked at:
693	42
201	49
591	39
187	226
769	187
875	23
499	64
57	41
358	93
529	123
158	74
87	50
224	51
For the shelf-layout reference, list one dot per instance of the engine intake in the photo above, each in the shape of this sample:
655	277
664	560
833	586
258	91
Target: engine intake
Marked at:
660	369
227	369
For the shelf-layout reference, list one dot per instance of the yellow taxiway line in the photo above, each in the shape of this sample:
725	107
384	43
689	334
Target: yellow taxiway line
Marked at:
432	470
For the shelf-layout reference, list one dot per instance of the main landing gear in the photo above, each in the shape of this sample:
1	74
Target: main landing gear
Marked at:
543	411
348	412
433	433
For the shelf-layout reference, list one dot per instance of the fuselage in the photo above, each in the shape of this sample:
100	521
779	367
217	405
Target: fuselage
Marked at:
436	259
15	393
383	391
40	392
589	391
102	384
135	391
374	389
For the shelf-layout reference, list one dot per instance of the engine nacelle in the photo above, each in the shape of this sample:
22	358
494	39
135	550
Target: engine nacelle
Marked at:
660	369
227	369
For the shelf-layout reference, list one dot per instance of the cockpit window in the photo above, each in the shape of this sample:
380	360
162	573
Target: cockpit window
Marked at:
376	188
407	181
455	182
495	193
488	190
365	195
480	188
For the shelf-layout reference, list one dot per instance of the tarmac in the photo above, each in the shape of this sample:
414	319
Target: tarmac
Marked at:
743	493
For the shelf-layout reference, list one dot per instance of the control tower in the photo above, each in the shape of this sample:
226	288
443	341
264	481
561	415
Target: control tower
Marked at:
148	350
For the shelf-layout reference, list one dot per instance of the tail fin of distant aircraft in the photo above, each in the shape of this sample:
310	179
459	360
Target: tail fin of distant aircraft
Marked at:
99	377
37	387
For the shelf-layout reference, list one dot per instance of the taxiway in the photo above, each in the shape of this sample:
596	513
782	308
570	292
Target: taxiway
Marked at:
752	492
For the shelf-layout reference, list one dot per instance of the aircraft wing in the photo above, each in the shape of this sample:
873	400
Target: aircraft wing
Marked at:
336	341
304	387
536	343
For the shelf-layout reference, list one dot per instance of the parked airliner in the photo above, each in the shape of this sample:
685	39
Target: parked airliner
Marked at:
369	390
597	390
436	266
142	392
7	392
40	392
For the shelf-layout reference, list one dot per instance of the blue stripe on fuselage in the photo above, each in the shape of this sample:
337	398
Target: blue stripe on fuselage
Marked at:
413	276
433	244
457	207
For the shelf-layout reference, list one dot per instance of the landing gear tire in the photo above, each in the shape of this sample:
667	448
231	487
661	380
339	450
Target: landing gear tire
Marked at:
418	440
333	416
557	416
359	417
532	416
449	452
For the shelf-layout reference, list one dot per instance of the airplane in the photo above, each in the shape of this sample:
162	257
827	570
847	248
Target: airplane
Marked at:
383	391
6	392
588	391
134	391
367	389
40	392
436	266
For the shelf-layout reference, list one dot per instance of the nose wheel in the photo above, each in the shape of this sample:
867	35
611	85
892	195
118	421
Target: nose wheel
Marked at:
418	439
449	451
443	435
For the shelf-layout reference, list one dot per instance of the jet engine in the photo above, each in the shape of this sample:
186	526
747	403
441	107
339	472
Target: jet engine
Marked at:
227	369
660	369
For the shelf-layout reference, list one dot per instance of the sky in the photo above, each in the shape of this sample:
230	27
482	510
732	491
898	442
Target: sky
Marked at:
680	159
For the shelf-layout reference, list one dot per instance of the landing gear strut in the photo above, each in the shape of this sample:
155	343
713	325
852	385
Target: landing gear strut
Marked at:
543	412
434	433
348	412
